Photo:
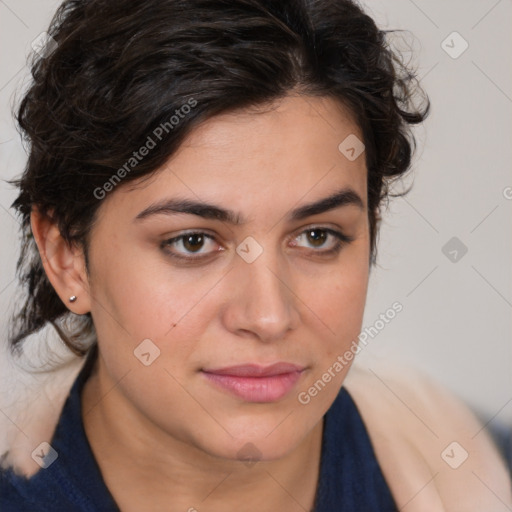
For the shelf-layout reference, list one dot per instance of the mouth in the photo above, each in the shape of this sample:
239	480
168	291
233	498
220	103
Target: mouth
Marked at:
254	383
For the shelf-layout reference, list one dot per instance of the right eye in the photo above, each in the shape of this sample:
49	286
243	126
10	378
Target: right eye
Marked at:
189	243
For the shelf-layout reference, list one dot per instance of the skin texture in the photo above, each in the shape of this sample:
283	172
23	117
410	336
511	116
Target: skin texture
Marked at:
158	428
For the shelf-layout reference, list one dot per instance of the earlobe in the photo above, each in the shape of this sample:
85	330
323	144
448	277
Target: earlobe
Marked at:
63	263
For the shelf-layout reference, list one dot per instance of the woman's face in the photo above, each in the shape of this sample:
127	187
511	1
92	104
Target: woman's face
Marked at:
173	314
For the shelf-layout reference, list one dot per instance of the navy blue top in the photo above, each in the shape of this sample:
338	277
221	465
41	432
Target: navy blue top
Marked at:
350	476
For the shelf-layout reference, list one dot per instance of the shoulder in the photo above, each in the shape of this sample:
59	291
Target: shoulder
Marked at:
434	453
12	497
47	489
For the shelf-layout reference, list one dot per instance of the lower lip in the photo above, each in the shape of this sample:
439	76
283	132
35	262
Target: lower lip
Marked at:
257	389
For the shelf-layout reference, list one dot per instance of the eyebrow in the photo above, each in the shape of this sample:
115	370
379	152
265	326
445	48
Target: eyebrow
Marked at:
343	197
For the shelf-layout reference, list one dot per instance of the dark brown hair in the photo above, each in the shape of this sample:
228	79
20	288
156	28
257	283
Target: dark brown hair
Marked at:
117	70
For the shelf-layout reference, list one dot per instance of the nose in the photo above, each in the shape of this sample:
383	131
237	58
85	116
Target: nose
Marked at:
263	302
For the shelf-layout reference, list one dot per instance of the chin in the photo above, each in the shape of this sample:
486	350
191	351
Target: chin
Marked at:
250	442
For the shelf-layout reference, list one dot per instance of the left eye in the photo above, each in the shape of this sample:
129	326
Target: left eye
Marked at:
318	236
194	242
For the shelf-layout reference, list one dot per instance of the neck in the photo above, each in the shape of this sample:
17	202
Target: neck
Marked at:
149	459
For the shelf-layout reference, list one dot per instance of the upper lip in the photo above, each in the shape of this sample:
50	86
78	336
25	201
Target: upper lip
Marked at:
255	370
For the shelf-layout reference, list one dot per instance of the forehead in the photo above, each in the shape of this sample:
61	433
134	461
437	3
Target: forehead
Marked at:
294	125
259	158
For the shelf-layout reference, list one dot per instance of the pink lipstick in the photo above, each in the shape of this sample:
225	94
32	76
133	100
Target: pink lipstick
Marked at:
254	383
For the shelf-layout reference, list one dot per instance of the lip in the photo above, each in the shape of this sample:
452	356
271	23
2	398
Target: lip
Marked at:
256	370
255	383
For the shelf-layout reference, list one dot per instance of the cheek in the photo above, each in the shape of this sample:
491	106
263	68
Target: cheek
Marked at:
340	302
133	292
134	301
339	306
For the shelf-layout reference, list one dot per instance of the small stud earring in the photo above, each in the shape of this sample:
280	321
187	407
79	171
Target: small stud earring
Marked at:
72	298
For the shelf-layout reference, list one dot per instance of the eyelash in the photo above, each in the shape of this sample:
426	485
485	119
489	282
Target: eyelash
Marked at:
341	240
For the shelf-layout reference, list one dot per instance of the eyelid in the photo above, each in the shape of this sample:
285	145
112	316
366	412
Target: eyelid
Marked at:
336	232
341	240
181	236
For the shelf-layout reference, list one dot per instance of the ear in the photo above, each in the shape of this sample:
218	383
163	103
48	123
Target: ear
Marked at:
63	263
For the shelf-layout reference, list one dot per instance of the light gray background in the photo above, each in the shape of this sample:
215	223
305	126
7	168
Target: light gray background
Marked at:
456	321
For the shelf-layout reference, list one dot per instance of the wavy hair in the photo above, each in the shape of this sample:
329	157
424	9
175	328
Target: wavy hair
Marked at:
118	69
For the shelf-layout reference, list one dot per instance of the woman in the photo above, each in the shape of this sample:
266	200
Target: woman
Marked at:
203	189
